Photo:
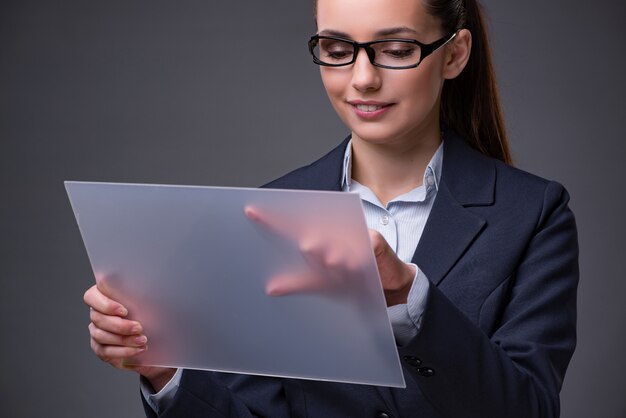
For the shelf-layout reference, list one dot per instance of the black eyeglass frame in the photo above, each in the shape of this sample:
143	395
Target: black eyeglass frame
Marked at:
425	49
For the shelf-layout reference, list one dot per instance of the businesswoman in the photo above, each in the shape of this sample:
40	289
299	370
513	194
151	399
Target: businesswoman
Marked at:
478	260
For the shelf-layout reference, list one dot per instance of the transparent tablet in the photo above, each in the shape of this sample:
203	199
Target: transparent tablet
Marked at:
255	281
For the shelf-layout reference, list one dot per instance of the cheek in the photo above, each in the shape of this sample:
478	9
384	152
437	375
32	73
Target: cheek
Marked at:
336	84
333	82
420	87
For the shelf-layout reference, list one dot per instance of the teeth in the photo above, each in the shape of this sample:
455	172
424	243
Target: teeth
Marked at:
368	108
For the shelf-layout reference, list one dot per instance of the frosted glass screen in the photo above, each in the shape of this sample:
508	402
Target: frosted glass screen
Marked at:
256	281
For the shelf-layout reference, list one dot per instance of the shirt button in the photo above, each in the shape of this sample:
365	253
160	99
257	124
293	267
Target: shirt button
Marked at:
383	415
384	220
430	180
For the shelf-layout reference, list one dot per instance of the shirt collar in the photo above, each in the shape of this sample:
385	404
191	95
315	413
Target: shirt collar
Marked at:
432	174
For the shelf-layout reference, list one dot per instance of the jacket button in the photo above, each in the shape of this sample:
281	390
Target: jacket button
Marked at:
413	361
426	372
383	415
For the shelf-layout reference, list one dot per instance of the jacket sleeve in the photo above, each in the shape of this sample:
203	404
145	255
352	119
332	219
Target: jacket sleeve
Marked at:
212	395
516	370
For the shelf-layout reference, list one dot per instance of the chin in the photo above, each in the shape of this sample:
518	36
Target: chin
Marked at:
376	134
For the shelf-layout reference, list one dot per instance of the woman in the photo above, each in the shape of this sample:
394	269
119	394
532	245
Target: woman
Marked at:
483	308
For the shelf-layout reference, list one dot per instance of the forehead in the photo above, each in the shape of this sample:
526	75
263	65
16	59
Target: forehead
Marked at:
363	19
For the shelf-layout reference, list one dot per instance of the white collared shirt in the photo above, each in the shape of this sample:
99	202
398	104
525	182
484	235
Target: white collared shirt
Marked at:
401	222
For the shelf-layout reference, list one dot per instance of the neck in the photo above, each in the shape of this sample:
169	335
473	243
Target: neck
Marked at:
394	168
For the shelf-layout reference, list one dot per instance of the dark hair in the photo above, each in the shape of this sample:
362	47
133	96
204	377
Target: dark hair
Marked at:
470	103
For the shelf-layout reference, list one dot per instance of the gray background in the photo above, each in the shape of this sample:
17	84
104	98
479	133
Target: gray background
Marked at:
223	93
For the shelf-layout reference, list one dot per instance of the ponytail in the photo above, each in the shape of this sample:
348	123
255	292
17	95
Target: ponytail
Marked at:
470	103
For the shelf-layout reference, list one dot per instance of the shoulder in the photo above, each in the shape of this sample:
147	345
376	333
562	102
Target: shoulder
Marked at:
478	180
521	182
322	174
529	192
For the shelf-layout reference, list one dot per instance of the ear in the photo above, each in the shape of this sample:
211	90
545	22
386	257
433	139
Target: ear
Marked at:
457	54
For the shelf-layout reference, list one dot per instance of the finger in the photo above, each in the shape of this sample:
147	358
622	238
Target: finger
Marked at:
267	221
115	354
396	276
313	251
107	338
314	247
379	243
115	324
256	216
327	258
283	285
95	299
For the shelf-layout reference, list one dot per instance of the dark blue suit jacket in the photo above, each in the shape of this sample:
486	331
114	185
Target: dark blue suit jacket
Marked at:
499	329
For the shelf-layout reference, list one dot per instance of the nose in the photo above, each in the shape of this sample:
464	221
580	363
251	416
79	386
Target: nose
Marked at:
365	76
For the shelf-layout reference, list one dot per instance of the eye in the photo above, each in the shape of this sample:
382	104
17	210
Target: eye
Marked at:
336	50
338	54
399	50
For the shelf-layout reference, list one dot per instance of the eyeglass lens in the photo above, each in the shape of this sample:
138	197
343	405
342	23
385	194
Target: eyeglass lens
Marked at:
391	54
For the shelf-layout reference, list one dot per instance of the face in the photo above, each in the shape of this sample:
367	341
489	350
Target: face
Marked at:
384	106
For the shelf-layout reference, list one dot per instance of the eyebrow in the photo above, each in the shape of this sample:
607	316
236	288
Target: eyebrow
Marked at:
383	32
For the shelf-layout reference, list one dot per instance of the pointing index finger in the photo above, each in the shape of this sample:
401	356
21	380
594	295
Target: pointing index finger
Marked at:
267	221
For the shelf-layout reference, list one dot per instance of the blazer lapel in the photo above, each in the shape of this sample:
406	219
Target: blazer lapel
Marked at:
468	179
323	174
448	232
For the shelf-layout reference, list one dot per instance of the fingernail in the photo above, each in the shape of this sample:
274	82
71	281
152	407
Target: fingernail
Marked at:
251	214
273	291
122	311
142	340
136	329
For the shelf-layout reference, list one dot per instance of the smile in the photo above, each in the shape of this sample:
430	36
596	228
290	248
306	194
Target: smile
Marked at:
370	110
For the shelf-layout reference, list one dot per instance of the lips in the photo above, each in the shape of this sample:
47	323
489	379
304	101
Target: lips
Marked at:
369	109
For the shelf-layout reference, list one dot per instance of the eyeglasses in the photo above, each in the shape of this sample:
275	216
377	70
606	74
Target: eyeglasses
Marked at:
397	54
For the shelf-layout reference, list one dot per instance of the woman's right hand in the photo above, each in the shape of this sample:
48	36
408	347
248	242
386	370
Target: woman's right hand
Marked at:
115	339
